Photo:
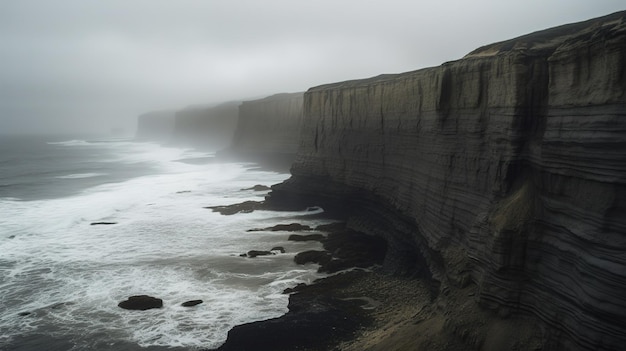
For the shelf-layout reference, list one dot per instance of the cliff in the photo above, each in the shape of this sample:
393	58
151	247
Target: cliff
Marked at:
155	126
268	129
505	169
206	127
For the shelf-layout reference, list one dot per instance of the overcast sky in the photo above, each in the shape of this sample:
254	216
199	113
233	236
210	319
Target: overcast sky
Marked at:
87	65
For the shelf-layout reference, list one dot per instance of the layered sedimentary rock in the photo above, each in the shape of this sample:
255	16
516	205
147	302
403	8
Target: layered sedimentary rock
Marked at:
155	125
506	169
206	127
268	128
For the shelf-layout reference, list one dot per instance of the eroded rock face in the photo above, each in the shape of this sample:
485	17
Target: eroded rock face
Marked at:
505	168
268	130
270	125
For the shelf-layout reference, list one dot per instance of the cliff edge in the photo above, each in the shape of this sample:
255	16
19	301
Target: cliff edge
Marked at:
505	169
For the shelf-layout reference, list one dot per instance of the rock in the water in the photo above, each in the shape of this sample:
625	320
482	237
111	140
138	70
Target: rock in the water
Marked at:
191	303
255	253
103	223
244	207
293	227
141	302
258	187
23	314
279	249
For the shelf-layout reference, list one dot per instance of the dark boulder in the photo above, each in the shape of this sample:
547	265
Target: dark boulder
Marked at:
279	249
255	253
191	303
103	223
141	303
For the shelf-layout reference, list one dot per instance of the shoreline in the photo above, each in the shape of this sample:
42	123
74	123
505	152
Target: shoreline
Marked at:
361	306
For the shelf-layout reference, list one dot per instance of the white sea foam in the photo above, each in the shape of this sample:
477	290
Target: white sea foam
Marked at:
70	274
74	142
81	175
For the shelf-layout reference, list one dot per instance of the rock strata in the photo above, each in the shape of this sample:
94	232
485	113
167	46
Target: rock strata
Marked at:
268	130
503	170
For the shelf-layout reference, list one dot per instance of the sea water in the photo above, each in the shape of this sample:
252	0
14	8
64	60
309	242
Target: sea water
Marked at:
61	278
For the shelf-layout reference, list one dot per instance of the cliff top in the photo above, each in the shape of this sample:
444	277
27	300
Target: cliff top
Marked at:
550	39
275	97
543	41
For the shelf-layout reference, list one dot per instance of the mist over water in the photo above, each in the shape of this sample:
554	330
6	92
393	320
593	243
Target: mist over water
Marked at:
61	278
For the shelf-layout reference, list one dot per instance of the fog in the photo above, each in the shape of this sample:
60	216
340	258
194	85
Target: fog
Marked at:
72	66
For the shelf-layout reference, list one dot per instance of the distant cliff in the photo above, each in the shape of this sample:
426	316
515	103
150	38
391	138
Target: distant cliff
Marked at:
155	125
505	169
206	127
268	129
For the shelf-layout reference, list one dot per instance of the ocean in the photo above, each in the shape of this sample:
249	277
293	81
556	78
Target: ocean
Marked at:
61	278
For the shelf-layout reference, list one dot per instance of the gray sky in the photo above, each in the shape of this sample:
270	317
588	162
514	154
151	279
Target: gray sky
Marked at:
87	65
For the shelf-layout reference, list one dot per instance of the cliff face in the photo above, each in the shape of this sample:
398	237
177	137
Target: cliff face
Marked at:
156	125
206	127
506	169
270	125
268	131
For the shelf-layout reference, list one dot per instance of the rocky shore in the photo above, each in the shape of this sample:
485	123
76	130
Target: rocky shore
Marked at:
360	306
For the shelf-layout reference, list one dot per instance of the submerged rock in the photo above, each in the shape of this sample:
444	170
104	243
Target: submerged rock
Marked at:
103	223
258	187
141	303
293	227
244	207
191	303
